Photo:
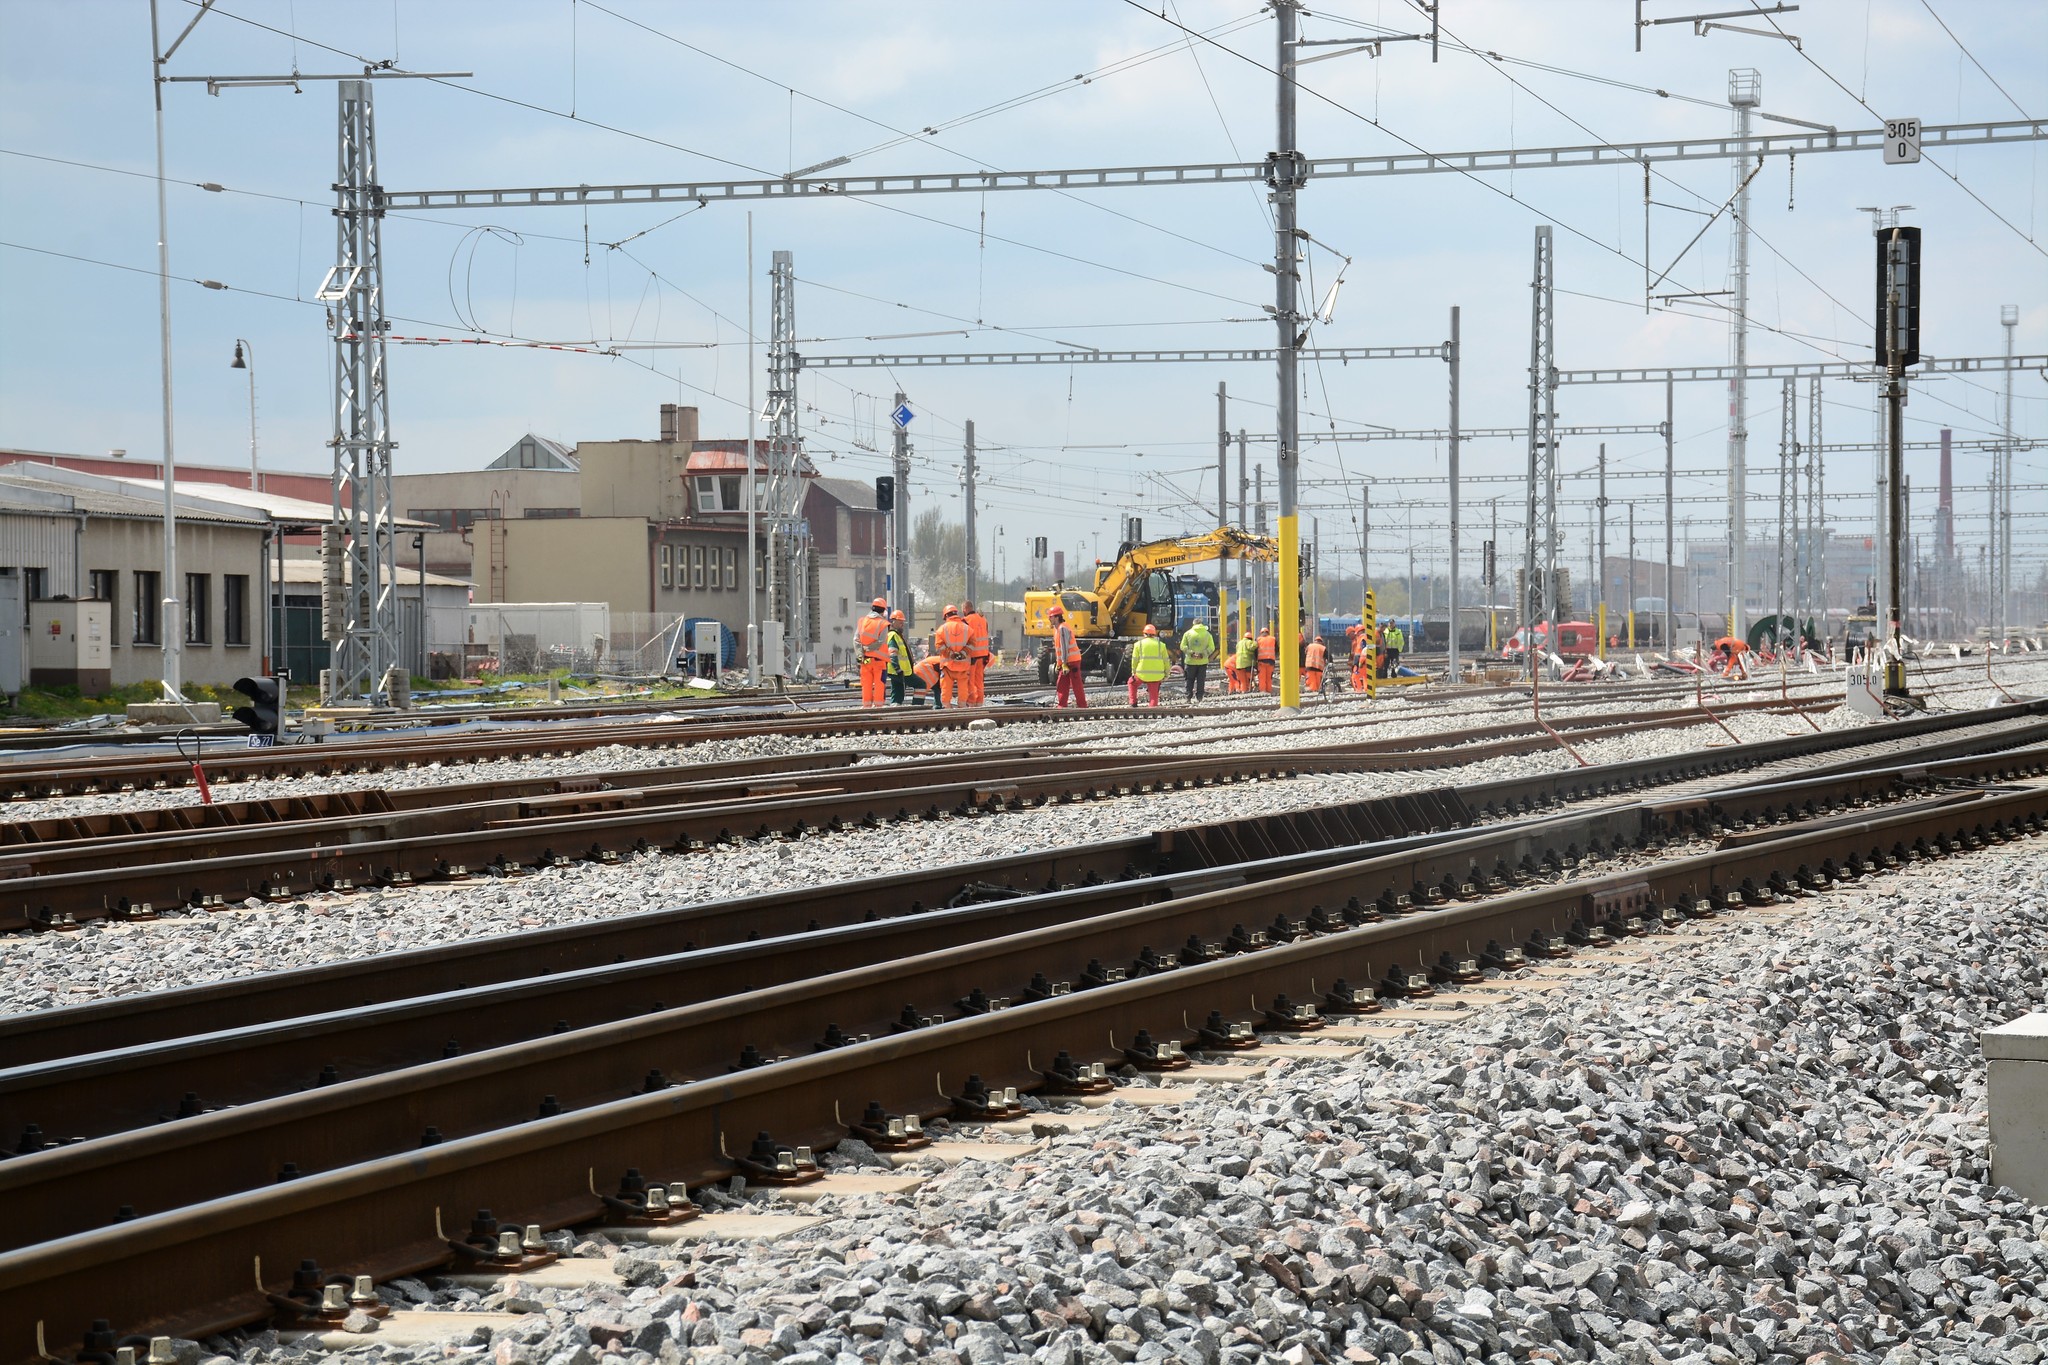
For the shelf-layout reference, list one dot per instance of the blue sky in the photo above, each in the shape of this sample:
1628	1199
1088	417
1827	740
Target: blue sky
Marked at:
697	91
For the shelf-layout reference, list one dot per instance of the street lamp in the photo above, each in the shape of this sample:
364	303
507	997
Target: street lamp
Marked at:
238	363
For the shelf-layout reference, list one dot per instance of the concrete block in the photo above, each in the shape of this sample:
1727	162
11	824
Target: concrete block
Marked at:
173	713
2016	1058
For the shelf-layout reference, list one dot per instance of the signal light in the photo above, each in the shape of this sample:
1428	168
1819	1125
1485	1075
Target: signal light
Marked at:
265	713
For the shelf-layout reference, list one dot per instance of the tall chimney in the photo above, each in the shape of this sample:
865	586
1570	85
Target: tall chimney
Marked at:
1945	510
671	423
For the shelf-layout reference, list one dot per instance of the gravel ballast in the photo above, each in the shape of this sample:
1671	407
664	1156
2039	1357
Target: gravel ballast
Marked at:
1764	1142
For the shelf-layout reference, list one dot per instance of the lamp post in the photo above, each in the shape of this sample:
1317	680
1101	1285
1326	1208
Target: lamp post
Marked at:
249	364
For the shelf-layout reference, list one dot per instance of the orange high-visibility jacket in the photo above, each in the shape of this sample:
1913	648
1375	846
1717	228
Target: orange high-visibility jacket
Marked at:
951	641
1269	649
1317	653
977	635
873	637
1065	648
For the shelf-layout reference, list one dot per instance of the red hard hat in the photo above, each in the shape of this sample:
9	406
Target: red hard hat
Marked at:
895	616
1051	612
881	604
952	610
1151	630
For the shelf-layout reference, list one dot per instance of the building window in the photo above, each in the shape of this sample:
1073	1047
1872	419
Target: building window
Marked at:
719	493
696	566
667	568
101	584
35	587
732	569
845	608
549	513
234	608
147	607
198	598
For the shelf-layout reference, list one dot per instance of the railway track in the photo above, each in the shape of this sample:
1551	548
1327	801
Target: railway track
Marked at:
371	1200
62	871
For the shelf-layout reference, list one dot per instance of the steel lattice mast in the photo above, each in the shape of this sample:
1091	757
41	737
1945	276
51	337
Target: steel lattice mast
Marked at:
360	612
789	531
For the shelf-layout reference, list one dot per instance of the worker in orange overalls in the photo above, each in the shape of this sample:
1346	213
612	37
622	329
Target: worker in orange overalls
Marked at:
1227	656
1268	656
871	643
928	671
950	643
1066	660
1312	661
977	654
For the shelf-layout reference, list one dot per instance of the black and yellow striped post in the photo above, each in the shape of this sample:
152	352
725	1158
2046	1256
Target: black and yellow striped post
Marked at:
1368	638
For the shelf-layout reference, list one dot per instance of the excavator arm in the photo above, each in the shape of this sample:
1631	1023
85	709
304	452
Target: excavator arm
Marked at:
1119	589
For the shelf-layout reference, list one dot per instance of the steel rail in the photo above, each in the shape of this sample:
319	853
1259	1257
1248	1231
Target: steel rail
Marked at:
21	842
113	772
133	1020
116	878
94	1095
158	1165
189	1269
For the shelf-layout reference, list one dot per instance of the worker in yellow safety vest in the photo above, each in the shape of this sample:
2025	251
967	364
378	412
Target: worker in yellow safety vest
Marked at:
1247	659
900	667
1150	663
977	653
871	643
1197	652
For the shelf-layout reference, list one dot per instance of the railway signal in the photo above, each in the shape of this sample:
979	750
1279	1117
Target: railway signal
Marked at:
265	713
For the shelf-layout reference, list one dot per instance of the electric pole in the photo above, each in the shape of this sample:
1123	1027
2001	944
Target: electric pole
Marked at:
900	570
967	469
1745	92
1453	632
1286	169
2009	318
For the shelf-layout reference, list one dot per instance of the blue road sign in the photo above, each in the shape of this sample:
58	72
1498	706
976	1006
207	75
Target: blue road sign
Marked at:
903	415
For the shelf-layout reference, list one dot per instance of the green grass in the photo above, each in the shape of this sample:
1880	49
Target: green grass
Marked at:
65	703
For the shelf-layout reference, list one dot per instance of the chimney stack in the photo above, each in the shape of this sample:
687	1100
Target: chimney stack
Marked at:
1945	510
671	422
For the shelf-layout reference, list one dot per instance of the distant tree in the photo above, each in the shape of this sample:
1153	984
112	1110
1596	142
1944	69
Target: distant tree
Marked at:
937	549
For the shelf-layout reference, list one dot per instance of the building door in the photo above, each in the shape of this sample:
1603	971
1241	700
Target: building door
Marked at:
10	632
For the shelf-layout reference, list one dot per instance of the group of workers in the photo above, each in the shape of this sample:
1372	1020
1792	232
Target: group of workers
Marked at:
953	670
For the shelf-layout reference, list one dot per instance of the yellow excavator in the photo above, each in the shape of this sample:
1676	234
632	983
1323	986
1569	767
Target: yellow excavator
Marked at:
1127	595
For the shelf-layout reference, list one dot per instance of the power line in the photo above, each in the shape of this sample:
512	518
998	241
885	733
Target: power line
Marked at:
1808	57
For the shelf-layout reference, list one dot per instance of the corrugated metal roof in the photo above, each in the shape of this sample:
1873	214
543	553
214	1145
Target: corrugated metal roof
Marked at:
46	494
